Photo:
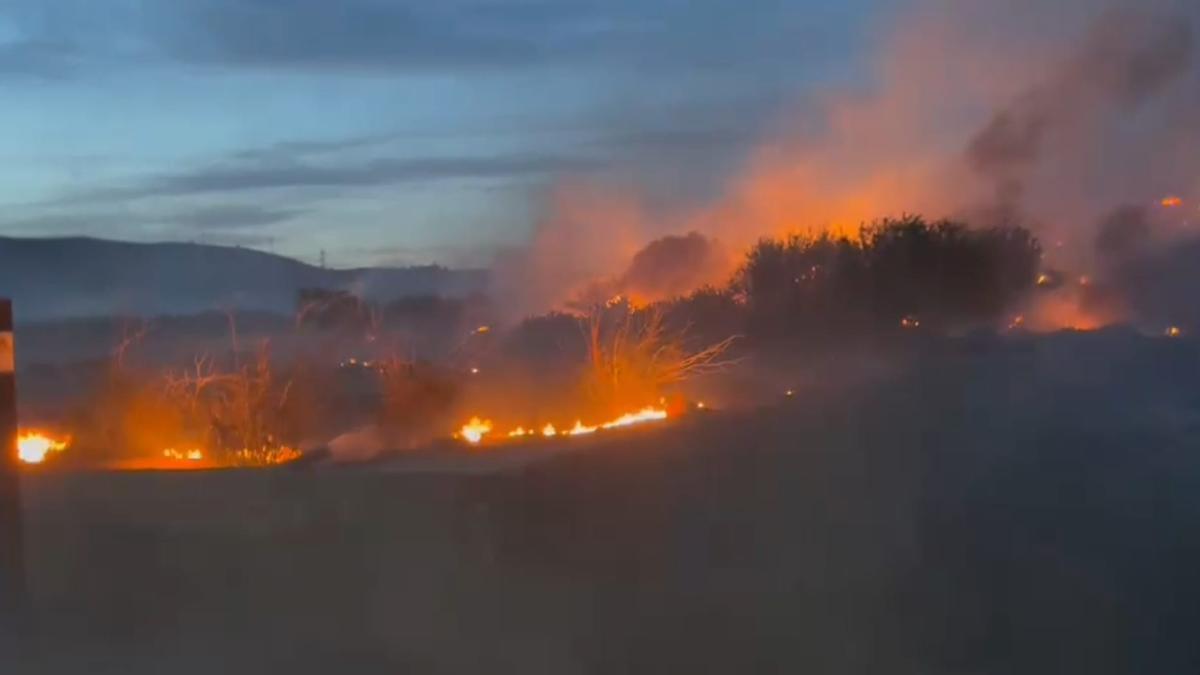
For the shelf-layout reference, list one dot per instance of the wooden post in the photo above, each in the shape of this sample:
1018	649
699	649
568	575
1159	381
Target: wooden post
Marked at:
12	556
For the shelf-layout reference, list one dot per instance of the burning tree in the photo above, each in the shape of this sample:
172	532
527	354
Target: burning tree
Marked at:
238	414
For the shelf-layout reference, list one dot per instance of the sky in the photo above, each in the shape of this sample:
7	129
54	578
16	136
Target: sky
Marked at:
389	131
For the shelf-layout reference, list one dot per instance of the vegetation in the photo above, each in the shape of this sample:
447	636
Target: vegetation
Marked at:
945	273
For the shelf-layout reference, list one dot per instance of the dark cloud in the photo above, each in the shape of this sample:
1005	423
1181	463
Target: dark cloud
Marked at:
233	217
227	221
294	150
246	176
392	35
39	59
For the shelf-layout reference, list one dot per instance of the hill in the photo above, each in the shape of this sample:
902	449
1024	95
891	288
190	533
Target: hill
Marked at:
77	277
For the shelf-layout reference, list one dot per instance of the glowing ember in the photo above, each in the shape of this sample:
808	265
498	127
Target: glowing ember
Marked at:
483	329
475	429
700	405
1174	332
1171	202
910	322
580	429
1017	323
789	393
1044	280
33	447
474	371
549	431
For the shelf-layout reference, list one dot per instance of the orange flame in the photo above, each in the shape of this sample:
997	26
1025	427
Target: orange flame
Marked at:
580	429
1171	202
190	455
476	428
34	446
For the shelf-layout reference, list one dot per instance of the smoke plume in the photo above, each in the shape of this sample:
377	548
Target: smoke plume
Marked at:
1045	116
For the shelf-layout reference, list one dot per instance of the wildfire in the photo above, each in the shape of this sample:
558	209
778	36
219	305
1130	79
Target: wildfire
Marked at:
190	455
474	430
644	415
580	429
1171	202
33	446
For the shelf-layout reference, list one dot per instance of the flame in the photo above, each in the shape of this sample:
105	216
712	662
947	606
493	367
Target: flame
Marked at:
475	429
580	429
1171	202
190	455
1173	332
647	414
483	329
34	446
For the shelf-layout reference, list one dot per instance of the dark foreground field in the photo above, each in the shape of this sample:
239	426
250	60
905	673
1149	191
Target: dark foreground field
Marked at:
1018	508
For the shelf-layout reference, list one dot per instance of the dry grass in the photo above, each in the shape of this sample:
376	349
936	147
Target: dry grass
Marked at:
633	356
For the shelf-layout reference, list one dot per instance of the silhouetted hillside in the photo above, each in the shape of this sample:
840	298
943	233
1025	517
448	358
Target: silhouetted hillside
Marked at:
72	277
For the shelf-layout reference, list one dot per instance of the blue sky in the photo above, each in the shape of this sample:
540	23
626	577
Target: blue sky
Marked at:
385	131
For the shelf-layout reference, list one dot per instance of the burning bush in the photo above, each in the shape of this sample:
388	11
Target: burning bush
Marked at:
238	414
633	356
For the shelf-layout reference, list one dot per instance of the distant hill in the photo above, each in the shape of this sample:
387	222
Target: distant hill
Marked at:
80	277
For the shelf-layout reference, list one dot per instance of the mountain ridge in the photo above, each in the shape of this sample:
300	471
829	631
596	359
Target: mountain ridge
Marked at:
73	277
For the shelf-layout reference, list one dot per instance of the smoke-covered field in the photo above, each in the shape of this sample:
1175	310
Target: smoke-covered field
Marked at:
997	505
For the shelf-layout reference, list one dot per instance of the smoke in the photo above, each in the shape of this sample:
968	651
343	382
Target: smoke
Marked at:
1048	116
1124	63
667	267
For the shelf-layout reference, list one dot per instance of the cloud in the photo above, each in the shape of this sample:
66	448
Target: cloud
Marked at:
233	217
241	177
38	59
407	35
227	221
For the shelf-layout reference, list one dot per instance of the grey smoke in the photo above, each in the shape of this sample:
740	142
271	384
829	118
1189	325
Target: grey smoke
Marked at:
1125	62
